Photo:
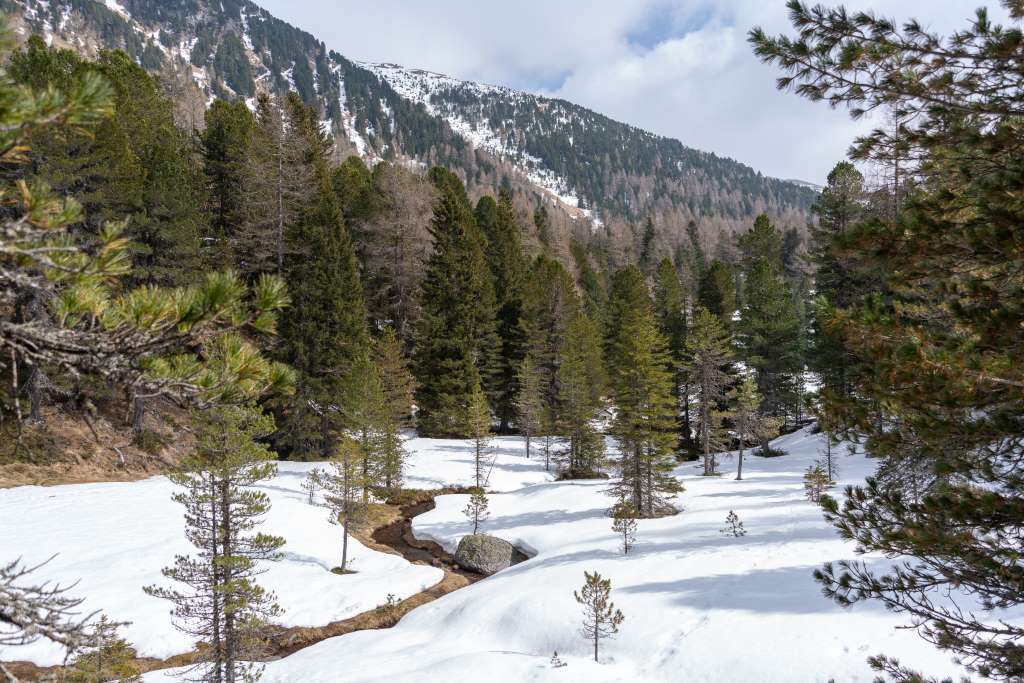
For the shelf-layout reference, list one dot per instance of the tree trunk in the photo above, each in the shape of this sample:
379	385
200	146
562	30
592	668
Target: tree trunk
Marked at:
344	544
527	445
138	415
595	645
739	470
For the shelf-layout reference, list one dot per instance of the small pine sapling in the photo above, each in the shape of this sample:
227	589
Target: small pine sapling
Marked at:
624	524
344	487
476	509
556	661
311	484
733	525
815	482
108	657
390	609
600	618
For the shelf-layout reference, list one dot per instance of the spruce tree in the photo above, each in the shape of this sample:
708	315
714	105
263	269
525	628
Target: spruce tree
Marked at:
325	330
397	381
222	605
508	270
645	418
455	332
581	381
717	292
708	357
226	141
529	402
670	307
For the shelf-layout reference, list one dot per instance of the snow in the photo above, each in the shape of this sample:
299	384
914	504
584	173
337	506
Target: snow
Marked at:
114	538
699	605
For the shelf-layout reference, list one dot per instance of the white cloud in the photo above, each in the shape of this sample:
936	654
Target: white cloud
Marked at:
680	68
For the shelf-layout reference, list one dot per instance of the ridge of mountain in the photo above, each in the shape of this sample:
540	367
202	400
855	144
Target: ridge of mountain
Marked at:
588	163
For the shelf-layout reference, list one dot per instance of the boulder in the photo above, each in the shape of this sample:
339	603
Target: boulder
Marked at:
485	554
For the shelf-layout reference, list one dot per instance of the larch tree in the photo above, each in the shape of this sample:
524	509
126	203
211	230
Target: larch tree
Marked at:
942	334
221	604
708	357
600	618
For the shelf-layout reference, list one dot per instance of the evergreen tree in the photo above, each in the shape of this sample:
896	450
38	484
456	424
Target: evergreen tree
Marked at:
942	335
542	222
455	340
645	417
108	657
770	335
345	485
717	292
708	359
580	380
476	508
508	270
477	426
366	417
325	331
670	307
624	524
529	402
549	303
223	606
226	142
600	618
747	419
397	381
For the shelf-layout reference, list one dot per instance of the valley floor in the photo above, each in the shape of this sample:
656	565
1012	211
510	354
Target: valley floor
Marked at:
699	605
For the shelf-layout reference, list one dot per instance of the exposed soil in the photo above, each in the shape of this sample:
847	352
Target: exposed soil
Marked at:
391	533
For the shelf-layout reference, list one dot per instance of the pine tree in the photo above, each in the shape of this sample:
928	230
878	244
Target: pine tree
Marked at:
108	657
580	380
940	338
529	402
223	606
745	415
311	483
344	486
624	524
733	525
476	508
600	618
645	418
550	301
708	359
366	416
456	328
816	482
477	426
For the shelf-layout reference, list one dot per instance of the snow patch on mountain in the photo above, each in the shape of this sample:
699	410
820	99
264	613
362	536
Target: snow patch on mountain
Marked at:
422	87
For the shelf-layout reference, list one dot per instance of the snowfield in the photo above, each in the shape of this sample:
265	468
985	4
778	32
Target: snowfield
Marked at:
700	606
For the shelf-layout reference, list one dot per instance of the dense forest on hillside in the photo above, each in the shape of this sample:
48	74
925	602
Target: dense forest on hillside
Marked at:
537	147
300	306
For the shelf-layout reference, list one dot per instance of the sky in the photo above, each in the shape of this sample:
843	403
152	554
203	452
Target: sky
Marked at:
679	68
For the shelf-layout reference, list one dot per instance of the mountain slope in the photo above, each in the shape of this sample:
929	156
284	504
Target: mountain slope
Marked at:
589	163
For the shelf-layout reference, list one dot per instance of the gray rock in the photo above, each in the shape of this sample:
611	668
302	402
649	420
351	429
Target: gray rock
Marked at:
485	554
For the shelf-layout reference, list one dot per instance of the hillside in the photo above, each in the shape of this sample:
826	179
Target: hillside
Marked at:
589	164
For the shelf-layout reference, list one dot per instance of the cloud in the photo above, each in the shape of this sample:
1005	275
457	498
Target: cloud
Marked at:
680	68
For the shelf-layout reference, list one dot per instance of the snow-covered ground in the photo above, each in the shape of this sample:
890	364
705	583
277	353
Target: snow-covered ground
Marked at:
699	605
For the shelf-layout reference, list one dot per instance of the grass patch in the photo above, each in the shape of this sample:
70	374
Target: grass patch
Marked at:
341	572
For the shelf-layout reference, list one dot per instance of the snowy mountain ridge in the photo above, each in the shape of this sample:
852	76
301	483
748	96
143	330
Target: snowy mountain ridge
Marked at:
590	164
